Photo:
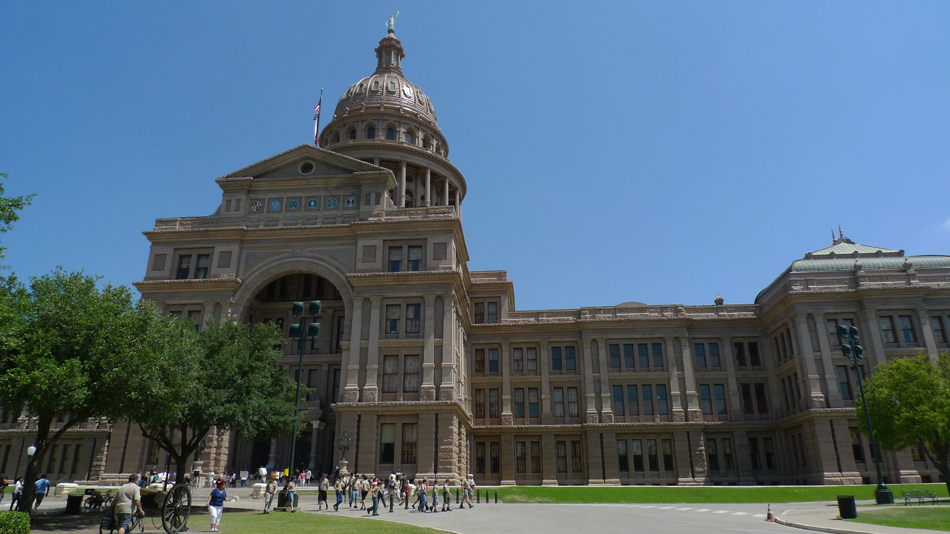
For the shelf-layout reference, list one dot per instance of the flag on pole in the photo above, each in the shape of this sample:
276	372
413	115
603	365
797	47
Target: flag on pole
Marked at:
316	117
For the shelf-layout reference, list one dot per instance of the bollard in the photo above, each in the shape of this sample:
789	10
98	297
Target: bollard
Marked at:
478	495
496	496
456	495
407	498
392	499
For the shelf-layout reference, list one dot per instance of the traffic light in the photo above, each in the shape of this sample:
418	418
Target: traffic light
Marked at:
313	329
858	352
845	349
315	307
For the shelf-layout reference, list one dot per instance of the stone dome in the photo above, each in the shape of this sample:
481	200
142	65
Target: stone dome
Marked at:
387	87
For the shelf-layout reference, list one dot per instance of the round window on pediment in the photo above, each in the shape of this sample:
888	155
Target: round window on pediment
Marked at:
306	167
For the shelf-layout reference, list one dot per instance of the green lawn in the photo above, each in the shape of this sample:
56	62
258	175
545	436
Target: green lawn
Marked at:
925	517
695	494
302	523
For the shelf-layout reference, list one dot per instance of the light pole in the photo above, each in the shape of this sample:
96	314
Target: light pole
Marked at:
855	353
303	331
344	446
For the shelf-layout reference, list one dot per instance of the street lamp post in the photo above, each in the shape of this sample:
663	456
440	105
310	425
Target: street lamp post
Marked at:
303	331
344	446
855	353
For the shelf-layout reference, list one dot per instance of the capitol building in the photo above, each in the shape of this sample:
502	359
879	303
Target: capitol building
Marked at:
429	369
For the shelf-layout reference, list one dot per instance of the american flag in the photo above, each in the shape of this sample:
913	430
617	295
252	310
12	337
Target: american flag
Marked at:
316	117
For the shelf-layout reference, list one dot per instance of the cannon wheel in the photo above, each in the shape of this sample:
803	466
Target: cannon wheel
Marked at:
176	509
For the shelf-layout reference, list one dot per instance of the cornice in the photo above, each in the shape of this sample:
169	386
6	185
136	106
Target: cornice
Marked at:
405	148
205	284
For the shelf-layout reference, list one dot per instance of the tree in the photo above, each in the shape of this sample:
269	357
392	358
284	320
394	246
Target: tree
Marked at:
64	345
9	208
909	403
225	376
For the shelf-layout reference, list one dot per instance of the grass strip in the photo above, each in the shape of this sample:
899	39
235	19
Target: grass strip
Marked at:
304	523
915	517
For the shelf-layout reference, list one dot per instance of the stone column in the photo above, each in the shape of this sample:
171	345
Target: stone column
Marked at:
591	415
428	201
272	455
815	398
595	468
426	446
313	444
445	192
834	399
735	406
507	418
402	185
370	388
351	359
507	460
822	446
870	337
693	411
697	440
676	397
682	452
447	386
208	315
927	332
447	462
606	404
548	460
849	471
611	463
544	359
366	447
427	390
458	203
743	459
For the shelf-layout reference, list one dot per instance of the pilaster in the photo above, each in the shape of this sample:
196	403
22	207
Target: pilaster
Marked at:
677	414
606	406
834	398
548	465
728	354
591	414
427	389
813	395
426	446
545	363
351	358
371	388
693	411
447	386
507	418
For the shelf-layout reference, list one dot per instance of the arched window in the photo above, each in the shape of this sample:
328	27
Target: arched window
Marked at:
353	133
336	137
425	142
360	89
391	134
409	137
376	85
371	133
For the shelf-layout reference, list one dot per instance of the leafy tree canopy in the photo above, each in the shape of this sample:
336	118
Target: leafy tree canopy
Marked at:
9	206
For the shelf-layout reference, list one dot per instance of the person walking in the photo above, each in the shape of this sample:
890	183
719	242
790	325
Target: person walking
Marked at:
269	490
322	493
42	490
465	492
17	493
354	489
291	489
339	486
377	495
446	497
435	495
3	487
127	495
215	504
364	489
471	490
423	490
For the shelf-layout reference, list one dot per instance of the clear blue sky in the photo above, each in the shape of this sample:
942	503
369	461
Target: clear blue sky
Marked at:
620	151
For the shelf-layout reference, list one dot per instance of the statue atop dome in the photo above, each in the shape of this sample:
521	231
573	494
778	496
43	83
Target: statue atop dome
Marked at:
391	23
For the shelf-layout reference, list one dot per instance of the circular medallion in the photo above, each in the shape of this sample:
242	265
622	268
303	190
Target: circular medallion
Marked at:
312	203
275	205
293	204
351	202
256	205
331	202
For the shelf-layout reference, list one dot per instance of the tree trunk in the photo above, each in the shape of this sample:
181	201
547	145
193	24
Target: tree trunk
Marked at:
29	480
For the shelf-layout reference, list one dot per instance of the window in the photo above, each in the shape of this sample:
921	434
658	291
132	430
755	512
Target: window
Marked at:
712	454
492	360
700	353
754	453
336	386
391	134
907	329
555	358
395	259
492	312
392	318
636	448
760	400
618	400
561	456
535	456
359	89
413	316
480	457
661	405
745	398
204	262
532	359
720	391
392	85
844	384
652	457
569	356
387	443
887	329
628	356
576	465
410	378
408	137
493	403
622	457
533	402
519	402
833	332
479	312
714	355
479	360
937	326
668	455
705	403
415	258
644	356
479	403
647	400
633	406
517	359
572	402
353	134
390	374
658	355
769	447
184	267
371	133
409	437
727	453
520	457
495	451
614	356
558	402
754	359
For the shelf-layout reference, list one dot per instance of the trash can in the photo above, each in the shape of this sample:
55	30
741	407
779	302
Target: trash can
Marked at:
74	503
282	499
846	507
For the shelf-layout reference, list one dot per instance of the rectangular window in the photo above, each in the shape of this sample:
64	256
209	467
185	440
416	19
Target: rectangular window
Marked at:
517	359
907	329
937	326
727	453
700	353
614	356
535	456
569	357
521	464
636	450
720	391
387	443
643	355
492	312
410	376
738	350
479	360
479	403
480	457
622	458
413	318
653	458
844	383
558	402
532	359
479	312
409	438
705	401
668	455
519	402
493	403
633	403
647	399
561	456
769	453
745	398
714	355
712	453
76	455
204	263
754	453
833	332
533	402
576	466
555	358
390	374
395	259
492	360
661	405
887	329
754	359
184	267
572	402
336	386
415	258
392	318
657	355
628	356
760	400
494	450
618	400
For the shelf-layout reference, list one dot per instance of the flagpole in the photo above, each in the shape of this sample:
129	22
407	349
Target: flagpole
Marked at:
316	128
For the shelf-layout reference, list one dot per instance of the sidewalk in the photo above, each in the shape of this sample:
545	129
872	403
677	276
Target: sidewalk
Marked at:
822	517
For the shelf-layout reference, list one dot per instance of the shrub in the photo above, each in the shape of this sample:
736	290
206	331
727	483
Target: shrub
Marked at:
14	523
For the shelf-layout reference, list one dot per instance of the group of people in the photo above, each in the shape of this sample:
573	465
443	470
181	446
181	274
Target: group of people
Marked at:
399	489
42	487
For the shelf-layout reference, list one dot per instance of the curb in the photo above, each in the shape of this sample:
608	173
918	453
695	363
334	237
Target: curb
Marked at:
831	530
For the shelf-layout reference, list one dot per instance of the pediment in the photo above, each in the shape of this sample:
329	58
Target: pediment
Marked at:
287	165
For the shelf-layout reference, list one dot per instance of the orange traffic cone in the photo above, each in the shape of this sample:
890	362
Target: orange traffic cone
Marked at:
769	516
